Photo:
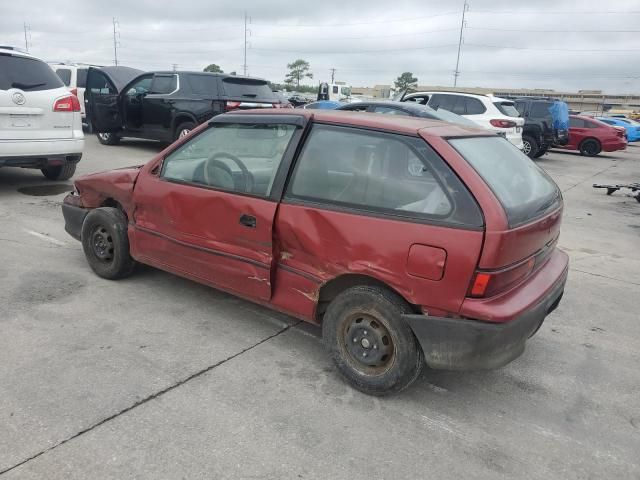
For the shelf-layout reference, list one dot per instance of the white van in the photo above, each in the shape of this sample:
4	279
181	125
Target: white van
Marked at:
74	76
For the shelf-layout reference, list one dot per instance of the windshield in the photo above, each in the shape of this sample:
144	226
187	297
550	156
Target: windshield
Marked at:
507	108
524	189
26	74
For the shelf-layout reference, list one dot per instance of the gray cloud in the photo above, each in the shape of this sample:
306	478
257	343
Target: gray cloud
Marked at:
368	42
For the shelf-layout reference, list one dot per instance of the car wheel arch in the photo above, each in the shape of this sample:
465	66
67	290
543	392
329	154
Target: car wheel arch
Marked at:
183	117
333	287
113	203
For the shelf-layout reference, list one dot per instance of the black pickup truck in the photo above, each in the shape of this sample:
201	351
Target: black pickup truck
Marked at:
125	102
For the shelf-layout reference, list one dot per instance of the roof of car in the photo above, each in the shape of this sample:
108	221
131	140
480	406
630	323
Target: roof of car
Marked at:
386	103
392	123
196	72
447	92
15	51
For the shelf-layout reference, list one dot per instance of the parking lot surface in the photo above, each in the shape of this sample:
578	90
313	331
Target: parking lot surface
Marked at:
158	377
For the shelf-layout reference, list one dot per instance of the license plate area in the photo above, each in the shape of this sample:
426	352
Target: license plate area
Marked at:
20	121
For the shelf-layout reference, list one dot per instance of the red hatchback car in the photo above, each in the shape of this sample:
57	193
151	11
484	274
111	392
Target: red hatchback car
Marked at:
591	136
409	240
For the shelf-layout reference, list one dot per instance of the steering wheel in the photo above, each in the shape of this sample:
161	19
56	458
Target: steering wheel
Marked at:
213	163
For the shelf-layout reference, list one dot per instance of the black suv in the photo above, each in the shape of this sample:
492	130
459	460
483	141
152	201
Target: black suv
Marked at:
125	102
538	133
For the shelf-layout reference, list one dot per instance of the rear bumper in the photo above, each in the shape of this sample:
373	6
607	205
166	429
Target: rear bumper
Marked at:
40	161
614	145
44	147
461	344
73	216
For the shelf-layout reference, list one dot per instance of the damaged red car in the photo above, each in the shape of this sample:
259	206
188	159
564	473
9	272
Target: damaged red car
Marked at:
410	241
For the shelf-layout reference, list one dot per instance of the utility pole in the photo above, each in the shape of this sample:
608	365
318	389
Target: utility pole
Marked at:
465	7
115	41
175	66
246	31
333	74
27	34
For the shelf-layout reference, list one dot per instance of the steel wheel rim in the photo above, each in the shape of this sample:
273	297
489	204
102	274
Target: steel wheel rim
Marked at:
184	132
367	344
526	148
102	244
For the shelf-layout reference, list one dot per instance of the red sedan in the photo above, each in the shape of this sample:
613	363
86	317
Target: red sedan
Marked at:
590	136
409	240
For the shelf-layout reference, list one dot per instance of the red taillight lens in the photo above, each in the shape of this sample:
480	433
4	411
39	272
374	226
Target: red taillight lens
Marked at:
487	284
74	91
231	106
502	123
67	104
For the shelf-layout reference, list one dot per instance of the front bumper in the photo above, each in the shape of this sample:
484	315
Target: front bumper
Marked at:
73	216
461	344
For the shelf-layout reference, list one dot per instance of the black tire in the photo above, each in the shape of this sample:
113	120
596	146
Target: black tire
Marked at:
59	172
531	147
183	129
366	321
106	244
108	138
541	151
590	147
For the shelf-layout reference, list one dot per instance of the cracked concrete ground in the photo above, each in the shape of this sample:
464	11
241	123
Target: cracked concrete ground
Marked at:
157	377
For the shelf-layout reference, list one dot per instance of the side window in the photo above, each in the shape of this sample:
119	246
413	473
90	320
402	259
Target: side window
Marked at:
356	108
98	83
588	124
234	157
379	172
441	101
65	75
540	109
202	84
458	104
421	99
474	106
389	111
81	80
576	122
142	85
163	84
521	107
335	89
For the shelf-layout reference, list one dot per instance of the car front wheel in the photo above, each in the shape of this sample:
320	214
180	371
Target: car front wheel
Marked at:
106	244
108	138
371	345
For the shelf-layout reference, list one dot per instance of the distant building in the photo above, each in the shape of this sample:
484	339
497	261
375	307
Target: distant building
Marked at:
582	100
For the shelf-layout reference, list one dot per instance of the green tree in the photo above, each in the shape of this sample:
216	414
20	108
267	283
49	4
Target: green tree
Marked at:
213	68
298	71
406	81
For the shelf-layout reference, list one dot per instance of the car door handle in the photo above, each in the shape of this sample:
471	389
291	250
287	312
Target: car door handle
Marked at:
248	220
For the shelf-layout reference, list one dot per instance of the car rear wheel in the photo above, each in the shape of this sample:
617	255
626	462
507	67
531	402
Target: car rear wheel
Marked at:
59	172
529	146
371	345
106	244
541	151
184	129
108	138
590	148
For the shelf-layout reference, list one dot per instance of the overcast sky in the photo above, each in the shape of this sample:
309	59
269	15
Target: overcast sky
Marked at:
560	44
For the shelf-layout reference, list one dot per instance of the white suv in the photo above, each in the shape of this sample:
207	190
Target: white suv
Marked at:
40	124
74	76
492	113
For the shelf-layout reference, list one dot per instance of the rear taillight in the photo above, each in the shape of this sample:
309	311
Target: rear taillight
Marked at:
69	103
231	106
489	283
502	123
74	91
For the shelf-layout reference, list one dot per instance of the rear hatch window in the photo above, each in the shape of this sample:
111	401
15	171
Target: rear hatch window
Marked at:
525	191
248	90
507	108
26	74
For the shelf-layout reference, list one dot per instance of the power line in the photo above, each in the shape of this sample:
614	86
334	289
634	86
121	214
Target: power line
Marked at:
551	31
547	12
324	37
616	50
333	52
324	25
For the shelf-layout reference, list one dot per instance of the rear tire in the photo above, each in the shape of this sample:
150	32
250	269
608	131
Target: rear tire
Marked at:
541	151
108	138
372	346
106	244
183	130
530	146
59	172
590	147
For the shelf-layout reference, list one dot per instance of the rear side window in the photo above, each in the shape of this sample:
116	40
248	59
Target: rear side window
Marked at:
164	84
383	173
81	79
248	89
524	189
65	75
540	109
507	108
473	106
203	84
26	74
521	107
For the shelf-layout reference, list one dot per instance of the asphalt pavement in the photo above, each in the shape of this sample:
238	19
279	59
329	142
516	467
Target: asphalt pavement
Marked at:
157	377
